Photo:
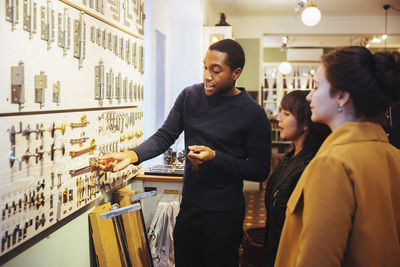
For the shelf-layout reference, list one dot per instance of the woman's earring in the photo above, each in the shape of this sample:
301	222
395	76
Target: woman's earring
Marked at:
340	109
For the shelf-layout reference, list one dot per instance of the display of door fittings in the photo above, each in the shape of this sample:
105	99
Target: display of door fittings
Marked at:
47	23
17	85
98	5
27	131
30	20
83	123
53	150
108	148
12	12
80	39
53	128
134	55
110	85
141	59
59	180
40	86
56	92
38	156
99	81
118	86
64	31
90	149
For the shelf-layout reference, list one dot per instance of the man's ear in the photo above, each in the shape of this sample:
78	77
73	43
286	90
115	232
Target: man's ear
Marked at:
236	73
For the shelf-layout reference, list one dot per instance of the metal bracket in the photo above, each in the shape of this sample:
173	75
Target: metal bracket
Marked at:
141	59
128	51
121	211
110	85
121	48
30	17
13	158
118	86
17	85
89	149
125	88
64	31
12	15
56	92
134	55
99	81
82	123
40	86
47	29
131	90
80	39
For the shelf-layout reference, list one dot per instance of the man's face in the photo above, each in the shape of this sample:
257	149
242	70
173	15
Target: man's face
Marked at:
218	76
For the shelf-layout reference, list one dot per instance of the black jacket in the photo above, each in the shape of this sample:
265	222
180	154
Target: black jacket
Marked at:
279	188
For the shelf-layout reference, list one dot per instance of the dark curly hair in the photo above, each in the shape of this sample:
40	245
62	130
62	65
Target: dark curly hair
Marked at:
234	51
373	80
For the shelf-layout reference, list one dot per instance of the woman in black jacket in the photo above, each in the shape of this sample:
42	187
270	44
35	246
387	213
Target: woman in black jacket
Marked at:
294	122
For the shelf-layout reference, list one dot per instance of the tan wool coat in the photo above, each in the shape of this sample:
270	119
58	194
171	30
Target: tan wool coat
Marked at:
345	209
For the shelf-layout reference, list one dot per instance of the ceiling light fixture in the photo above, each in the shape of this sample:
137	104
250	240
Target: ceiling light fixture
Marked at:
311	14
285	67
384	37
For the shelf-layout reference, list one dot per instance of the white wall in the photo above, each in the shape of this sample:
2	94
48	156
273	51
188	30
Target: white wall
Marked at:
181	22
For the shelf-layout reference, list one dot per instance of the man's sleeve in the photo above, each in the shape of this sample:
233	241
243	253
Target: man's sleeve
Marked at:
165	136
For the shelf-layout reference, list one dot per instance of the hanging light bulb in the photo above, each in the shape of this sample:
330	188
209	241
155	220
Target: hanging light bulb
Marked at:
311	15
285	67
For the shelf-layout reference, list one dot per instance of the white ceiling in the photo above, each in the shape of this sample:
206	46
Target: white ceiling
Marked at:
286	7
327	8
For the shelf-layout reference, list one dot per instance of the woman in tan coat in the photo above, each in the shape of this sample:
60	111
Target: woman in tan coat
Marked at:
345	209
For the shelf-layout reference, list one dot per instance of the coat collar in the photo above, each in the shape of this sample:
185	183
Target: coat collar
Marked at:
353	132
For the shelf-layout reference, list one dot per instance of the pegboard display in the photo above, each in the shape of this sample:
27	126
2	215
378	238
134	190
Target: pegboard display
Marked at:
71	77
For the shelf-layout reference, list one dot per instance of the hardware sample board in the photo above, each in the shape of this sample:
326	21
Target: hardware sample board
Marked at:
71	77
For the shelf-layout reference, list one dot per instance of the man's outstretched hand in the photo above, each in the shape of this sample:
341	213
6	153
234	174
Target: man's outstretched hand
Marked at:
116	161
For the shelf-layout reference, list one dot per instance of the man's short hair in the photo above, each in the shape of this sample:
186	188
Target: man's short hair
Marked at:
234	51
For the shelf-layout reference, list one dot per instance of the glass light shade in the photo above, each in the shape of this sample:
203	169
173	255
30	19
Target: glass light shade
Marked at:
311	15
285	67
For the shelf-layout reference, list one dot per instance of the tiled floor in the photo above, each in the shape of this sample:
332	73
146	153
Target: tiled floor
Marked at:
255	208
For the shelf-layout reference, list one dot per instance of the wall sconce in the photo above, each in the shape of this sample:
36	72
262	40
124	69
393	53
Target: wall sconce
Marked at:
311	15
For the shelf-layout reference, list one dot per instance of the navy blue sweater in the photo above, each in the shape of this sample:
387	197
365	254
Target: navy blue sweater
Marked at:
236	127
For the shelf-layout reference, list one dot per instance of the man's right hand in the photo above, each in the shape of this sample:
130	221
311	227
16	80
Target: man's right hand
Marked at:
116	161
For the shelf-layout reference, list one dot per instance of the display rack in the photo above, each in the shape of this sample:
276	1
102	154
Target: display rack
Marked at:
72	75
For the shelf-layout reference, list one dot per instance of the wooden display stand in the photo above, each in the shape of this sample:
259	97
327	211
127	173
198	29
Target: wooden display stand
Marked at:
113	238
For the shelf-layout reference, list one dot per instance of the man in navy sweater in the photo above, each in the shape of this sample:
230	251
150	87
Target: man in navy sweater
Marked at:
227	140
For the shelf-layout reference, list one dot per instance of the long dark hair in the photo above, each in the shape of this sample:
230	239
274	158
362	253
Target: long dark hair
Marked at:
295	102
373	80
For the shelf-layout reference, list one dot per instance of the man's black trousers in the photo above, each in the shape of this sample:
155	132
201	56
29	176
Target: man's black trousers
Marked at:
207	238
